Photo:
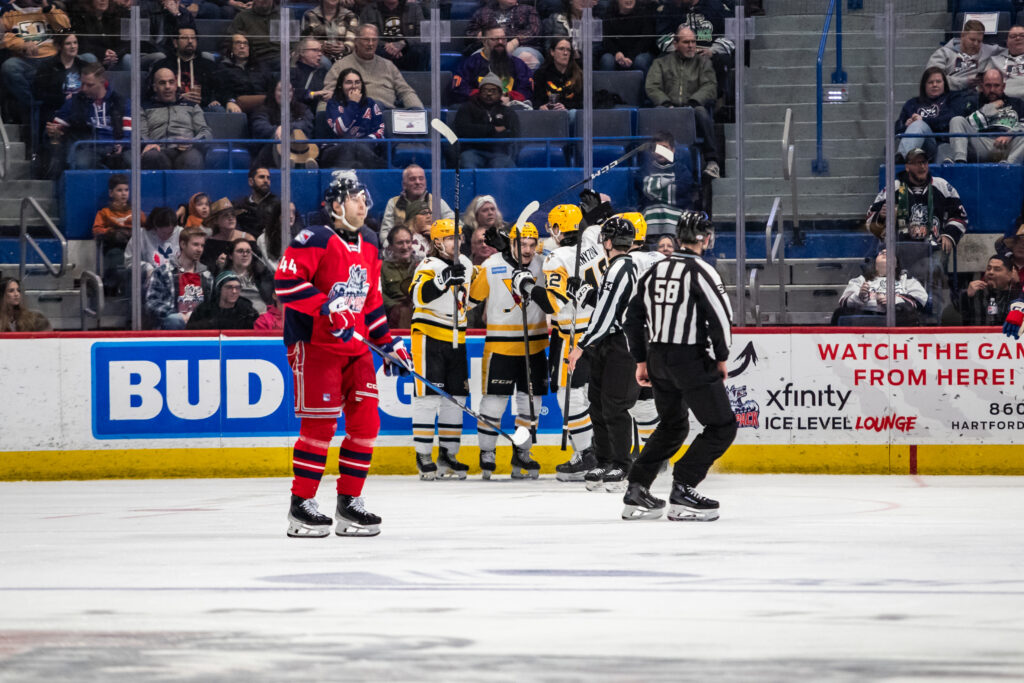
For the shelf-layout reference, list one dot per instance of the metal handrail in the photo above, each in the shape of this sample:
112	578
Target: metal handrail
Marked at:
820	165
775	252
25	240
83	293
789	173
754	287
5	162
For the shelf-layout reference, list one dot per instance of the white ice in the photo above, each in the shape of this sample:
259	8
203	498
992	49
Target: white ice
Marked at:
812	578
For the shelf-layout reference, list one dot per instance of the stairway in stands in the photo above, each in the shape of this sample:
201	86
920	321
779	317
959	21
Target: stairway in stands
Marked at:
782	74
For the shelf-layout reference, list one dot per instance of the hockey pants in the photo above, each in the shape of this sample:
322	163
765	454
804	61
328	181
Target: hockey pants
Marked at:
426	410
581	430
493	407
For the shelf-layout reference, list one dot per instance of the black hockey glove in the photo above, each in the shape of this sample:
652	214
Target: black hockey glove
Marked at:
452	276
594	210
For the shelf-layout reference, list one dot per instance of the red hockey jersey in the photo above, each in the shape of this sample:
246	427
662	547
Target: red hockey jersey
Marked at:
317	267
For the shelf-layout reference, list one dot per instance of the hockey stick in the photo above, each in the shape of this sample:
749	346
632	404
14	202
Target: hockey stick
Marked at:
525	214
520	437
601	171
453	140
572	343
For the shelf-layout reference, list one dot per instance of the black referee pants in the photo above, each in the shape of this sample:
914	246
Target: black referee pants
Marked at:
612	392
685	378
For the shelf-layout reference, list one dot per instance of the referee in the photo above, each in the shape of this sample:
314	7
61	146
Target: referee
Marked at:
681	308
613	389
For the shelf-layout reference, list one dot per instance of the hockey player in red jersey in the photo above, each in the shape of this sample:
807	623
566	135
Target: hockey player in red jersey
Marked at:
329	283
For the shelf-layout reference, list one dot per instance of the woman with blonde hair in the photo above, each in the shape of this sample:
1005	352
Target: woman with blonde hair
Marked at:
14	318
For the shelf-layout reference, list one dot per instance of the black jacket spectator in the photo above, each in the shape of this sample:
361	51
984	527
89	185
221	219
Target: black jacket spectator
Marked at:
266	119
98	26
705	17
210	316
629	32
484	116
55	83
307	80
236	80
190	70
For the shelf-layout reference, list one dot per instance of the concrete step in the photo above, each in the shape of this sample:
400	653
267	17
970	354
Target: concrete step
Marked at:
806	149
19	169
853	22
868	38
837	271
807	130
807	92
15	133
757	206
817	7
781	54
808	185
806	112
17	151
25	187
770	74
10	209
850	166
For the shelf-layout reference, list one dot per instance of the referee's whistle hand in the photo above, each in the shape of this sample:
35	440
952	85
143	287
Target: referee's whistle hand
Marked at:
641	375
723	370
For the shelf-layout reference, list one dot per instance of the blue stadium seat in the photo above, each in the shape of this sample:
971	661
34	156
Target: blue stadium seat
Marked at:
211	34
464	10
553	125
420	82
629	85
677	120
607	123
227	126
450	61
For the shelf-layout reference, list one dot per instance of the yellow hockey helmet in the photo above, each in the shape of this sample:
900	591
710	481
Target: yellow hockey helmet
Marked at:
639	224
564	218
529	230
441	228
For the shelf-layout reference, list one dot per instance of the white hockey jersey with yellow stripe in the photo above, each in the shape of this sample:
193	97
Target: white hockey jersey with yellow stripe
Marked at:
493	283
559	266
434	317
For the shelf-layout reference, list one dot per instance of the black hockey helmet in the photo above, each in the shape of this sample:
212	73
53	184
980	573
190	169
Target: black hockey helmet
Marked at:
693	227
343	184
496	238
620	231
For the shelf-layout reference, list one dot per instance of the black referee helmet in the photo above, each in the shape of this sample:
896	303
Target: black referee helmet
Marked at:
620	231
693	226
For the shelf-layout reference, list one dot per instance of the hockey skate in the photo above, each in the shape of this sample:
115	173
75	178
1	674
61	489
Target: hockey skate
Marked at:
448	467
353	519
305	519
575	468
486	464
614	479
640	504
595	478
426	466
523	466
686	505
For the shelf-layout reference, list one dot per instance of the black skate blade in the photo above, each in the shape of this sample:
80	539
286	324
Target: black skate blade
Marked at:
682	513
634	512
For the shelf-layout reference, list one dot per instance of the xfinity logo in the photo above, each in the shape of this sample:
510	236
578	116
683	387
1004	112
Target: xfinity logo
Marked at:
789	397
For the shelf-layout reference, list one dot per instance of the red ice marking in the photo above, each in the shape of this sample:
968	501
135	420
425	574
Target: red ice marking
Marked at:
913	460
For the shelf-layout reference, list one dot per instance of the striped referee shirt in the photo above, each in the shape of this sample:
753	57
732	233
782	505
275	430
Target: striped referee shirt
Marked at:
680	300
617	289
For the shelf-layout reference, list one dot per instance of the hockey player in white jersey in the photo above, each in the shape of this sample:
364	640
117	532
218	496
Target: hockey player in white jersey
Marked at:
503	367
438	279
570	301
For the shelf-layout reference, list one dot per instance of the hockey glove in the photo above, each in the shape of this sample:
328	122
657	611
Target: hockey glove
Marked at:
594	210
579	290
452	276
1011	328
523	282
396	348
343	320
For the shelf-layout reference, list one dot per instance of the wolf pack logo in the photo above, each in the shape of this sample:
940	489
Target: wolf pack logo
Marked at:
748	413
354	290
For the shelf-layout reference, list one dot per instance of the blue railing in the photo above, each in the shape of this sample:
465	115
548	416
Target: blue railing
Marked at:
820	164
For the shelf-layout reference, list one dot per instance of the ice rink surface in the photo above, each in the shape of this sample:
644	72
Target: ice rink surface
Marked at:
812	578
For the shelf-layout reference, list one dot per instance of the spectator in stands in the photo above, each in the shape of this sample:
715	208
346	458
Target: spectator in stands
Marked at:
1011	62
257	280
966	58
265	124
396	272
112	228
996	113
418	218
180	285
335	24
479	250
667	244
269	243
254	211
513	75
381	78
351	115
254	23
666	187
159	241
398	25
558	83
273	319
628	27
15	318
307	76
414	187
196	75
165	18
706	18
226	309
929	112
98	22
222	224
866	294
240	78
686	79
560	23
94	114
518	20
987	301
197	212
484	116
165	118
59	77
481	212
29	28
